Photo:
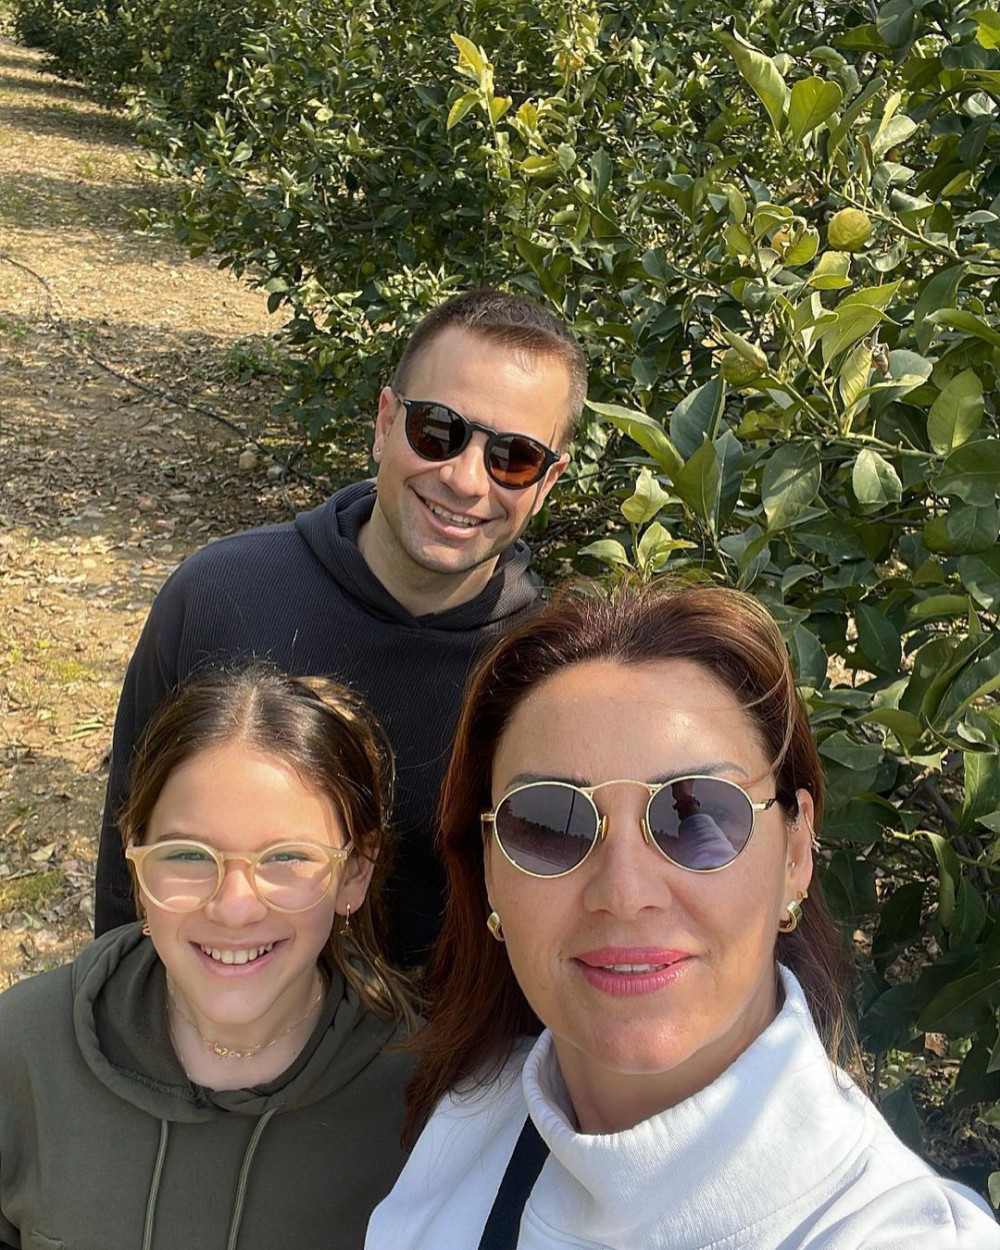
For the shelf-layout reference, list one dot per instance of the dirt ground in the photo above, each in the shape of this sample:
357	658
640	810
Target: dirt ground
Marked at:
104	488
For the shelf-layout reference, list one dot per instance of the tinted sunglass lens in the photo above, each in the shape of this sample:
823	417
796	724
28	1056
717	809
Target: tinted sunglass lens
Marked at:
434	432
700	822
546	829
516	461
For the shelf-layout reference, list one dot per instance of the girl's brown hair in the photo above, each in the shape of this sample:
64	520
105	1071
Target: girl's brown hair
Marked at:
476	1008
330	741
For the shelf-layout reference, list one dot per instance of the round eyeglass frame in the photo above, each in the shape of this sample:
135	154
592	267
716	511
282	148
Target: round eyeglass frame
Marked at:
653	788
138	854
471	427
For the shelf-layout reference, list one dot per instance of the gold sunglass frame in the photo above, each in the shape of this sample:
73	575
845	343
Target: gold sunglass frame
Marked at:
652	788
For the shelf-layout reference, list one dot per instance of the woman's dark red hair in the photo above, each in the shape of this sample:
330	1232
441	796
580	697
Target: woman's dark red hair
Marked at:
476	1011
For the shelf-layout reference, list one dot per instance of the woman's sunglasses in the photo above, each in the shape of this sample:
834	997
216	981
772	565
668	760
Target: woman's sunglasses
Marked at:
437	432
548	828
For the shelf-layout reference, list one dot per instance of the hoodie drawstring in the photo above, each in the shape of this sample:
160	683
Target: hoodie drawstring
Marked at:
154	1188
241	1184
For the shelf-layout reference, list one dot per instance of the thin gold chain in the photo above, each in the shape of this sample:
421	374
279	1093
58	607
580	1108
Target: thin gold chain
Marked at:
229	1052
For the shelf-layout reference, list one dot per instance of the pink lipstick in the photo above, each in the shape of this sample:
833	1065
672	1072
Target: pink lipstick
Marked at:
629	971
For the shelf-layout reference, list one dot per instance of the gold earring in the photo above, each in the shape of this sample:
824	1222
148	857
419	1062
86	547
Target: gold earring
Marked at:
494	926
345	931
145	929
790	921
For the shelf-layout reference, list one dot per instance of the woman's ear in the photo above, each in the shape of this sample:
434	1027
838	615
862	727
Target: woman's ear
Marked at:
799	867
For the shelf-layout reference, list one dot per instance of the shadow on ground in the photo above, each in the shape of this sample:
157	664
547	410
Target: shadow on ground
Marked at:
40	202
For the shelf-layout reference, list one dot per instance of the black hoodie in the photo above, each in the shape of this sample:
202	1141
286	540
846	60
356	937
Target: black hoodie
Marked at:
106	1145
301	595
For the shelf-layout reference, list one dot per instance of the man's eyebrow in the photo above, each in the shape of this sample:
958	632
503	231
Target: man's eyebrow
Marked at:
712	768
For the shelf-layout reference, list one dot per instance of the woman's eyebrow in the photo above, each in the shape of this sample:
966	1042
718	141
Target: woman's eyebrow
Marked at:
711	769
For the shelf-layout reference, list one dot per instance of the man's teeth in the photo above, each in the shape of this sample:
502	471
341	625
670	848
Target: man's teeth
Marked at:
633	968
237	957
451	517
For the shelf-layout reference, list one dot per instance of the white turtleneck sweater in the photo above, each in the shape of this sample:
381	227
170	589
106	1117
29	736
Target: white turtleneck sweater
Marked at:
781	1152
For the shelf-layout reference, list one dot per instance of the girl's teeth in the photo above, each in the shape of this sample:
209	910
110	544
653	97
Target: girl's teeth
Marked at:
237	957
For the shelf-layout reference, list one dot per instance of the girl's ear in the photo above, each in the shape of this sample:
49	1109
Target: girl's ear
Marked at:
354	882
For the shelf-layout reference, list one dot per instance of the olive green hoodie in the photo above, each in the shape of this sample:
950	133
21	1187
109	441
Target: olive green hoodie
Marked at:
106	1145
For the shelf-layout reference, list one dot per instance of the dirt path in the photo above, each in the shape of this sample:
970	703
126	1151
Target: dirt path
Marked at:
103	488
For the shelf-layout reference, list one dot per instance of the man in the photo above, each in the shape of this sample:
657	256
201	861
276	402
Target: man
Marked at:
391	588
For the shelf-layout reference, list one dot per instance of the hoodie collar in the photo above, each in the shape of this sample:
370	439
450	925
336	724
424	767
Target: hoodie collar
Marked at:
331	531
120	1021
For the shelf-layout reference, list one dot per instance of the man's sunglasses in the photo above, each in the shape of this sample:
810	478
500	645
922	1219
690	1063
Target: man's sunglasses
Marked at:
437	432
548	828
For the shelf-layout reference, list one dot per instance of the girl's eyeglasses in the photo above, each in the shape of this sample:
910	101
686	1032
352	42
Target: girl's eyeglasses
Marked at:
183	875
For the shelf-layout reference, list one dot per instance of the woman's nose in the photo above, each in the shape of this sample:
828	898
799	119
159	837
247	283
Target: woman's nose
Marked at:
627	875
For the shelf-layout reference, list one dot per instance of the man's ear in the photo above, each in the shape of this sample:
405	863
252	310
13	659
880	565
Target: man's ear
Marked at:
552	475
388	409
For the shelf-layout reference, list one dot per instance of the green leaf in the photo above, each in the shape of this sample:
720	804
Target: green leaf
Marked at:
644	431
460	108
938	292
956	414
967	322
655	547
803	249
875	482
846	751
646	500
878	639
697	417
962	530
469	56
980	576
762	75
789	483
949	875
853	323
852	113
895	21
811	102
699	482
988	35
904	725
830	271
955	1010
854	375
972	472
607	550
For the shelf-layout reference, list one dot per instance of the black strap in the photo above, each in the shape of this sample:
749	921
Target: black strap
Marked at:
526	1161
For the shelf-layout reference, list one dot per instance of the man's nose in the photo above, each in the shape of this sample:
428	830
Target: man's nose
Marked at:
465	474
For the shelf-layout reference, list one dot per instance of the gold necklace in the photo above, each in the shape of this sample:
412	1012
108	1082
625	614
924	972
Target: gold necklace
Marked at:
229	1052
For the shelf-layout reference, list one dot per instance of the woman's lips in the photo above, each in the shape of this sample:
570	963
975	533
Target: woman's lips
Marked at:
628	971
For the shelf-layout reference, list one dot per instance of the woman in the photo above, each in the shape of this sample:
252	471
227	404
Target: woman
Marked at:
627	827
217	1077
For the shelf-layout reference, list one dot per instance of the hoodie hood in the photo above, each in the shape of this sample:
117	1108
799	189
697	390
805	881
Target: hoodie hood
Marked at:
120	1022
331	531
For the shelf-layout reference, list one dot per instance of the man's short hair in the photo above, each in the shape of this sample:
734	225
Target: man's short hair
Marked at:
509	321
